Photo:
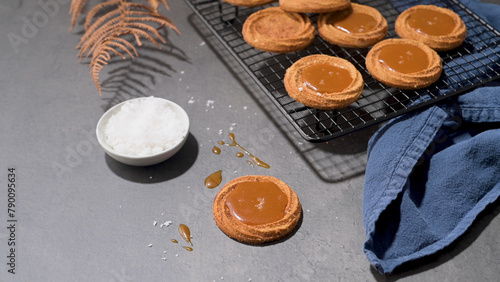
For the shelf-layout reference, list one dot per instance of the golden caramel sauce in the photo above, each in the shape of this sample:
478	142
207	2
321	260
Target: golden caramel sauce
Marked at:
221	143
240	155
403	58
216	150
326	78
430	22
188	248
185	233
174	241
214	179
355	22
256	160
257	203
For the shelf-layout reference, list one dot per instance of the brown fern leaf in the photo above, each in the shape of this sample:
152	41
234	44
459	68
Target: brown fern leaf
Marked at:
154	4
109	35
76	9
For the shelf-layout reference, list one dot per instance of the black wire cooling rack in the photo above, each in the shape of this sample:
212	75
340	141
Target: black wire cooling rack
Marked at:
475	63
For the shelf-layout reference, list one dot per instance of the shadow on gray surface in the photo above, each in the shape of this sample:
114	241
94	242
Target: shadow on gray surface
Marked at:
169	169
122	80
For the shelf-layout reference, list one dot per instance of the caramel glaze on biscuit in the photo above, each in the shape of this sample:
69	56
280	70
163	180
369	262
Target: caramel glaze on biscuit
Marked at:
296	88
428	74
314	6
256	233
329	32
278	31
452	39
249	3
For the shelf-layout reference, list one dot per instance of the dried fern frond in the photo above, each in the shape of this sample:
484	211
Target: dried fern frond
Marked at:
154	4
108	35
76	9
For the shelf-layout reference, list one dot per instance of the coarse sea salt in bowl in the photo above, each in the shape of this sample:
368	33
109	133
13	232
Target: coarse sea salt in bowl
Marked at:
143	131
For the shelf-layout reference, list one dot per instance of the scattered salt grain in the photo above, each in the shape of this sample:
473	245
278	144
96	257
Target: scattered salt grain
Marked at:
150	245
166	223
164	258
143	127
231	128
210	103
154	223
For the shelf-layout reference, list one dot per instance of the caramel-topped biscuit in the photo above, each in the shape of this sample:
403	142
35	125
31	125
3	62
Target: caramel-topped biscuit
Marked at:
323	82
358	26
249	3
439	28
404	63
255	209
314	6
278	31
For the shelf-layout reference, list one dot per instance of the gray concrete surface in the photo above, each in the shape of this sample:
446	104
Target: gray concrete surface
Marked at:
81	216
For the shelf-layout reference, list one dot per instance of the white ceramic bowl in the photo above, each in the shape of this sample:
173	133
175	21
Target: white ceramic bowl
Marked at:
142	160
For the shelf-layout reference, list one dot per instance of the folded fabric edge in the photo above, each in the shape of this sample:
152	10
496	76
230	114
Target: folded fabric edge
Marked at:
389	266
402	169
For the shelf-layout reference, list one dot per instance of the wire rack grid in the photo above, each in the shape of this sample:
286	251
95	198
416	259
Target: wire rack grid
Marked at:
475	63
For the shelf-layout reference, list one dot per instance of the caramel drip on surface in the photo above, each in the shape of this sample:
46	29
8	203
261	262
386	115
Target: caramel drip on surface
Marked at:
185	233
216	150
355	23
326	78
256	160
188	248
214	179
430	22
403	58
221	143
257	203
174	241
240	155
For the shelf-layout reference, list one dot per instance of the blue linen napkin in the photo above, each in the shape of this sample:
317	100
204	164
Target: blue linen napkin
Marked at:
430	173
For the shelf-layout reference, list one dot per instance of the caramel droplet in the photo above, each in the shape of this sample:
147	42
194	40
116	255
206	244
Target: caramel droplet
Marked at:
185	233
403	58
216	150
252	157
174	241
214	179
240	155
188	248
